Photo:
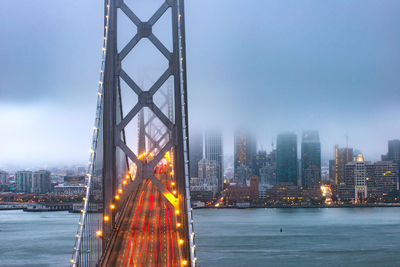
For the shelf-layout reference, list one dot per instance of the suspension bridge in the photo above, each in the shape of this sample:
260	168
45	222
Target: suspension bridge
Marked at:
137	209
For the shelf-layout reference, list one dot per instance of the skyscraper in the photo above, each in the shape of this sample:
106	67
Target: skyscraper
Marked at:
394	150
213	143
3	177
23	180
342	157
286	149
332	170
356	175
310	160
394	155
41	182
260	161
244	149
382	180
207	168
195	152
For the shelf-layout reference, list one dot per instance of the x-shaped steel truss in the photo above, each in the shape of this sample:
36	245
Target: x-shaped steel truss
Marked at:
145	170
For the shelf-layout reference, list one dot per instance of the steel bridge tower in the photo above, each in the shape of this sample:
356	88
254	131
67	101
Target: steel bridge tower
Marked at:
137	204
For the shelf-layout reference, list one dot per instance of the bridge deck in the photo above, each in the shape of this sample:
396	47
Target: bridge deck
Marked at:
147	235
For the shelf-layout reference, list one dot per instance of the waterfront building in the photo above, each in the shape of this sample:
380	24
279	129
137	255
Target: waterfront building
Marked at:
77	179
201	196
289	194
213	143
244	150
70	189
207	180
195	152
254	187
342	157
376	182
382	179
204	185
287	158
23	180
356	177
310	160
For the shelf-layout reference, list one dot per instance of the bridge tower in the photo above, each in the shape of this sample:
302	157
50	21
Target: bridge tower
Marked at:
153	177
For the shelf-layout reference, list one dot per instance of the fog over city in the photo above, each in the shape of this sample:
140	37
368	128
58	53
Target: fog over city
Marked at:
268	66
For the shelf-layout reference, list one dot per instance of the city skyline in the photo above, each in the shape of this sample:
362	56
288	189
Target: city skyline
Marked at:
339	78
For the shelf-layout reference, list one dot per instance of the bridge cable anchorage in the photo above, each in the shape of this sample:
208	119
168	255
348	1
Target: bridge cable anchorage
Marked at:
79	236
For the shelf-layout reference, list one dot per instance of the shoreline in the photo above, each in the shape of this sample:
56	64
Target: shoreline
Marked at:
386	205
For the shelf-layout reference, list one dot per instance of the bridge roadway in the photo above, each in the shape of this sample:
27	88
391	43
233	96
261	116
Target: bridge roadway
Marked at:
147	235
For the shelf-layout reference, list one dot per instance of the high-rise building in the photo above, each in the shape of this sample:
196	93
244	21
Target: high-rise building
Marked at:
260	161
242	174
310	160
207	180
23	181
195	152
213	143
244	149
268	174
332	170
271	157
356	175
394	155
3	177
382	180
394	150
41	182
207	168
286	151
342	157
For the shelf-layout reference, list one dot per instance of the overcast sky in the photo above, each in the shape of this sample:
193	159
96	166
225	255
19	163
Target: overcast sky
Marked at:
269	66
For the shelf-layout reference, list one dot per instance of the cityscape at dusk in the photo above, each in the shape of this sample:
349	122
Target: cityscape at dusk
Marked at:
200	133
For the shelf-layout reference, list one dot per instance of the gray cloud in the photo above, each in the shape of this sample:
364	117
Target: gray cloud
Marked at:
269	65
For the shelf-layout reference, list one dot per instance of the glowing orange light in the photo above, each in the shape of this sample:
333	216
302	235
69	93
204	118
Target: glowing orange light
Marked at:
116	197
168	156
177	212
99	233
173	183
112	206
178	225
124	182
184	262
174	192
120	190
180	241
172	173
142	155
106	218
127	177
